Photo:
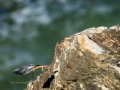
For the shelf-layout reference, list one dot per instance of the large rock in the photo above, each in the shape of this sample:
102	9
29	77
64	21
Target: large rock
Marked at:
88	60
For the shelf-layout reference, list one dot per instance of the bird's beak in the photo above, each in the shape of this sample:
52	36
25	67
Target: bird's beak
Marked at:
13	72
38	66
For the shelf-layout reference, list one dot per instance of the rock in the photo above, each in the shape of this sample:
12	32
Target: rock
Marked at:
88	60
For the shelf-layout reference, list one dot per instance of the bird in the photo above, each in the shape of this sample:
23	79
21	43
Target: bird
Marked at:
27	69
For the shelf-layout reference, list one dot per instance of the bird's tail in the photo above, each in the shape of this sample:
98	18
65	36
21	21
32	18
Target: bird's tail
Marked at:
38	66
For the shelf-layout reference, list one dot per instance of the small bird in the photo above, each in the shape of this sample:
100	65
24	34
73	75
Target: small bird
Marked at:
27	69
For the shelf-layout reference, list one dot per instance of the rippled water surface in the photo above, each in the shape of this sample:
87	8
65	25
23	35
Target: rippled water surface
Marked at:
30	29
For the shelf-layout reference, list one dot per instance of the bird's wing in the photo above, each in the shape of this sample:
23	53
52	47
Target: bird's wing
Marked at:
23	69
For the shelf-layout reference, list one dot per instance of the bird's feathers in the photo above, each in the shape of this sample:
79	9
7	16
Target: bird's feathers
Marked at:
26	69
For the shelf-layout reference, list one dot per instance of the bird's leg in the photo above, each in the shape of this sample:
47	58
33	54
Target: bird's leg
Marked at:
32	77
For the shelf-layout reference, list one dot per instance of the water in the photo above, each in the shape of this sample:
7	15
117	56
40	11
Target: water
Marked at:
30	29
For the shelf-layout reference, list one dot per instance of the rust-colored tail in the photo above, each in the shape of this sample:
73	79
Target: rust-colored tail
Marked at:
39	67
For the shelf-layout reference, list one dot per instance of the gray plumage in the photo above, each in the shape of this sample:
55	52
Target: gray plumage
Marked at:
25	69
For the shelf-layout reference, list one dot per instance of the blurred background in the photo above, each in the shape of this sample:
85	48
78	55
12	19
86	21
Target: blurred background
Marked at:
30	29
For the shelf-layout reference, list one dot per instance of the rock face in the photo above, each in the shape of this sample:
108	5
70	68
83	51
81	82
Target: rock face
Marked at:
88	60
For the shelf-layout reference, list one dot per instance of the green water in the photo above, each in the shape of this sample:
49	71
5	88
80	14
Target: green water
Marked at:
30	29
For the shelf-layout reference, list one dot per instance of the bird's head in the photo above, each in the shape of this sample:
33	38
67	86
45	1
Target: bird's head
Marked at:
16	71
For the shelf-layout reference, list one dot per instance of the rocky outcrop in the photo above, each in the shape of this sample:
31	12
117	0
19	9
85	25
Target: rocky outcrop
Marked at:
88	60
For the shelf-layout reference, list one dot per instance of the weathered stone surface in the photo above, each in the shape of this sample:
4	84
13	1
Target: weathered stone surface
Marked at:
88	60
